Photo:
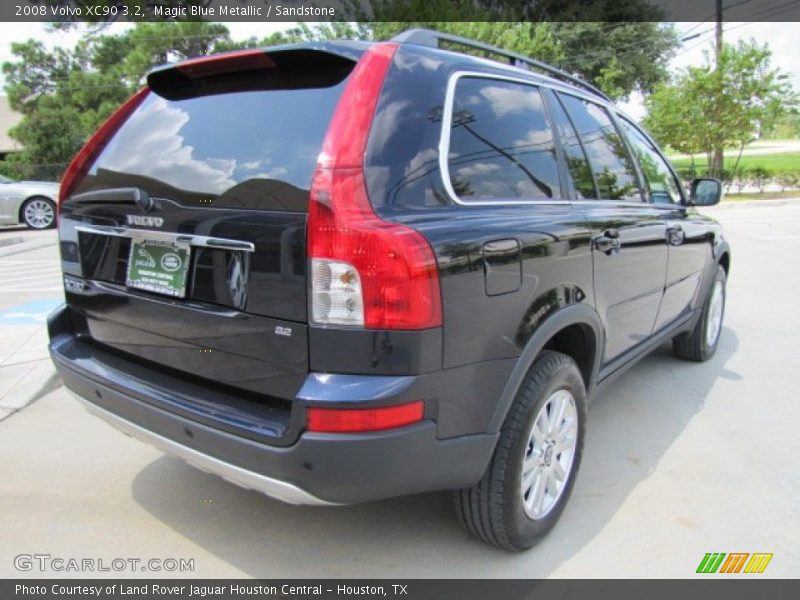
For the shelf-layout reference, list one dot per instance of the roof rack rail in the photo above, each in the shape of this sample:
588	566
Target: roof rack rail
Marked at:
429	37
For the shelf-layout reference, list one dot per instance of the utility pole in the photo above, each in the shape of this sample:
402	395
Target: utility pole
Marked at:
718	162
718	32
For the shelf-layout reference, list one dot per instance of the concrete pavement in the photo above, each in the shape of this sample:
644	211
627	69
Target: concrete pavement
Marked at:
30	286
681	459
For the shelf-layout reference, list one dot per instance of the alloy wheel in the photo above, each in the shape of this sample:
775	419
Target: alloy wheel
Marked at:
549	454
39	214
715	309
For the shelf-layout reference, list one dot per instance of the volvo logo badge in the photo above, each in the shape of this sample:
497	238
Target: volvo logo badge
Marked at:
144	221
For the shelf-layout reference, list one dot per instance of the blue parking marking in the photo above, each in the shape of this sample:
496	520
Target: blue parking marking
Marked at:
31	313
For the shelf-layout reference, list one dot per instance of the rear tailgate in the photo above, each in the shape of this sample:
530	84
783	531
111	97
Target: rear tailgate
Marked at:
184	244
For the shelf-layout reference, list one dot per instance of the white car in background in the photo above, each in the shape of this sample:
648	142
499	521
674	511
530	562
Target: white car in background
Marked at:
32	203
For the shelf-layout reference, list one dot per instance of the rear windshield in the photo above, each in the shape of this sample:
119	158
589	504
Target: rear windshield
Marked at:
247	149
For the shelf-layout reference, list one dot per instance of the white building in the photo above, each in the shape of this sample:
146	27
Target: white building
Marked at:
8	118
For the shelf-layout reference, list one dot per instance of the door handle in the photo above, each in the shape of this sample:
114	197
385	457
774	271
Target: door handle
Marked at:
675	235
608	243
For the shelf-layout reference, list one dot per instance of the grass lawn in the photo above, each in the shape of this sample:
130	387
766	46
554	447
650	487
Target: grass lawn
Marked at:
774	163
756	196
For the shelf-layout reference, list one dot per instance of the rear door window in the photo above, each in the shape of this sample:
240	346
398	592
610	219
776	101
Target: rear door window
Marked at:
501	143
608	155
241	149
574	155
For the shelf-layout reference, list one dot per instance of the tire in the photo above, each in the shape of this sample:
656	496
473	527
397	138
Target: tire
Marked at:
493	510
701	342
38	213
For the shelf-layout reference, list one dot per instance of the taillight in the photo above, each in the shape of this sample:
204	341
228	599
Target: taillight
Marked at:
353	420
79	166
228	62
365	271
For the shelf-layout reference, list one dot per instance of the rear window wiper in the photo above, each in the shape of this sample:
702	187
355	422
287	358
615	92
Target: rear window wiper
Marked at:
126	195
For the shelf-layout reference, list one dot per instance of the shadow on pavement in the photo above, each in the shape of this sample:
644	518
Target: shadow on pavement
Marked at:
51	384
631	425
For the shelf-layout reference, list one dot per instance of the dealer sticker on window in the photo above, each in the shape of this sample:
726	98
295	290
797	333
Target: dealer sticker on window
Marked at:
158	267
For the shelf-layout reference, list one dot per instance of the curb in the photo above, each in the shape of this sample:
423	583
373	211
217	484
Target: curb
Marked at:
11	241
21	247
750	203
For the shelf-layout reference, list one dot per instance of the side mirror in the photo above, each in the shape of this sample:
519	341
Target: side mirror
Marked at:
705	191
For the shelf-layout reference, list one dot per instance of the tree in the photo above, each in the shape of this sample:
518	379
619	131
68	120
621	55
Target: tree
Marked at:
157	43
674	119
619	58
531	39
64	95
578	10
37	72
617	45
784	127
707	109
608	55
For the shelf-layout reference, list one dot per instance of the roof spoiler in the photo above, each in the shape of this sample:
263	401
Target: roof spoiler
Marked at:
293	66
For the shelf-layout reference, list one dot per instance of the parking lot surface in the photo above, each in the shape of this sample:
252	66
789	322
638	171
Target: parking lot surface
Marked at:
681	459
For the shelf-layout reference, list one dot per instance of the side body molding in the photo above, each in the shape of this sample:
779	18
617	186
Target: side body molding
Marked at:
574	314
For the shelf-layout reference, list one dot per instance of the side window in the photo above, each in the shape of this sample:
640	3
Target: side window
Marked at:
501	143
574	154
661	183
608	156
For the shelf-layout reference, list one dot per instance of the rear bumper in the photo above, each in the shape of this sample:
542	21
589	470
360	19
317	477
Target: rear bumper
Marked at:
317	468
275	488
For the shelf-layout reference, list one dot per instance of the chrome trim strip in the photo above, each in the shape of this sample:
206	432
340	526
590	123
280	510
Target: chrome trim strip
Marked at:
166	236
274	488
444	141
614	203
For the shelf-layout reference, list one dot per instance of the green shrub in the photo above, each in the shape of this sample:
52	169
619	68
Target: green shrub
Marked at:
686	173
10	169
788	179
740	180
759	176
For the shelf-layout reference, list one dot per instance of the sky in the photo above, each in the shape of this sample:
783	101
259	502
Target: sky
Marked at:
782	38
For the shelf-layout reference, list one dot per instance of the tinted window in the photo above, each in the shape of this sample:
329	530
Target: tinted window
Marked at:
577	164
501	143
249	149
660	181
608	156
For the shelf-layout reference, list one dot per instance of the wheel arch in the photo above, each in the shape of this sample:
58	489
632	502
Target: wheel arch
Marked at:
721	253
725	261
575	330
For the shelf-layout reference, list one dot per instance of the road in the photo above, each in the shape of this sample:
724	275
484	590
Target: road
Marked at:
681	459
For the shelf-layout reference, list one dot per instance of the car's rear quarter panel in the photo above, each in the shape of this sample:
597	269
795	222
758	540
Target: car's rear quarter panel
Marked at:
485	326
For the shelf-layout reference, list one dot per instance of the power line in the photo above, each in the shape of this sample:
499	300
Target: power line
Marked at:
765	7
737	4
767	12
771	8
